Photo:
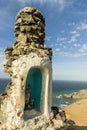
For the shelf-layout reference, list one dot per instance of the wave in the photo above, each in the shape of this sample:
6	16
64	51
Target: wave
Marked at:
63	105
59	96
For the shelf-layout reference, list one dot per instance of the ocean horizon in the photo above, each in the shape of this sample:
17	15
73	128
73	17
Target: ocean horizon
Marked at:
59	88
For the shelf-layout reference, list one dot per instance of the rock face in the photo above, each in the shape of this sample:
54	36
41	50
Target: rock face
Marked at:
28	52
82	94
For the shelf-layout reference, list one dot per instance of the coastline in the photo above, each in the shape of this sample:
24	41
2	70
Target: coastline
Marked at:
80	111
77	111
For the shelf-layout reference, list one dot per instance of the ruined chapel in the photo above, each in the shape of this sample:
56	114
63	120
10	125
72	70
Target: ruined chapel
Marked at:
29	64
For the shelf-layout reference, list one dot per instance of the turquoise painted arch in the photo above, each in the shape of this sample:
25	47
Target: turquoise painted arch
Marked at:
34	80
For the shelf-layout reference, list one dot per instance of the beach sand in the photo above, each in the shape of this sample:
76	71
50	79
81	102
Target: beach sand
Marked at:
77	112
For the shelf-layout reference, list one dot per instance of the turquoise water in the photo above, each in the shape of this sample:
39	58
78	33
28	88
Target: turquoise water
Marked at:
59	88
34	81
66	87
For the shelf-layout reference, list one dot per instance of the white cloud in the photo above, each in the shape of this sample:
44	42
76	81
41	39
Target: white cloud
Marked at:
1	51
1	66
71	54
73	39
65	54
1	57
64	47
60	3
60	44
59	39
57	49
73	32
48	38
82	26
74	36
83	49
76	45
78	27
78	55
2	74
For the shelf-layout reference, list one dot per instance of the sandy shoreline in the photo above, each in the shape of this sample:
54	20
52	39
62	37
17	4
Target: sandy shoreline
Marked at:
77	112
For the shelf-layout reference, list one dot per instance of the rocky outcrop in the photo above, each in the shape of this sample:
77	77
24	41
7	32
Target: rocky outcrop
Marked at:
82	94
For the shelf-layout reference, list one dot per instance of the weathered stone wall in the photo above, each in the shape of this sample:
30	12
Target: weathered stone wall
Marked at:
28	51
29	26
29	37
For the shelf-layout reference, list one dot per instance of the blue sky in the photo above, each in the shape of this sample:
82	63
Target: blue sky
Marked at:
66	33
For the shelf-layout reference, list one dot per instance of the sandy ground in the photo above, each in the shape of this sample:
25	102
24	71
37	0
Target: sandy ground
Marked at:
78	113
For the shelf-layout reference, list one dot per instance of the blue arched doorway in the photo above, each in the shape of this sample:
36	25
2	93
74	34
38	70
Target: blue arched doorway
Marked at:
34	81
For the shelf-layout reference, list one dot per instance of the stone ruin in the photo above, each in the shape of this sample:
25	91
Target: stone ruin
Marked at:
27	100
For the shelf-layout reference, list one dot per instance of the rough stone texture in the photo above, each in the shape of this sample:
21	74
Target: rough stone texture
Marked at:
28	51
29	26
29	37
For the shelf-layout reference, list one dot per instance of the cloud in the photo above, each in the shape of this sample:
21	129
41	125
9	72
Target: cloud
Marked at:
78	27
72	24
73	32
1	65
1	51
82	26
1	57
76	45
76	49
60	3
74	55
57	49
83	49
59	39
48	38
73	39
74	36
2	74
64	47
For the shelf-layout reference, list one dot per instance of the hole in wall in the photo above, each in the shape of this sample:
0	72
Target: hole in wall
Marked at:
33	90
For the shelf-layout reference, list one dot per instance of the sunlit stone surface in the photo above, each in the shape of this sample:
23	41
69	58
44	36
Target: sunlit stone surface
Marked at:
27	100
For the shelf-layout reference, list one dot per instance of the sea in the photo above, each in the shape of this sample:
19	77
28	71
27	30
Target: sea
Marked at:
59	88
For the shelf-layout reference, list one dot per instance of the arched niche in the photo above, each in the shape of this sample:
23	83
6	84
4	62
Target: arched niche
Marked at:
38	92
33	88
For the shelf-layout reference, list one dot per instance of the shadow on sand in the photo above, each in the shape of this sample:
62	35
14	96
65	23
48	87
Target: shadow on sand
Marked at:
78	128
74	128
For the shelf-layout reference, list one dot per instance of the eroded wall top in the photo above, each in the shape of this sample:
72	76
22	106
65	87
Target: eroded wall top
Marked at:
29	37
29	26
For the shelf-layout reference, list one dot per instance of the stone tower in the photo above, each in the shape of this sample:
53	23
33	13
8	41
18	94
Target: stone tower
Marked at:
29	64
